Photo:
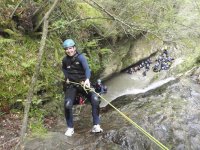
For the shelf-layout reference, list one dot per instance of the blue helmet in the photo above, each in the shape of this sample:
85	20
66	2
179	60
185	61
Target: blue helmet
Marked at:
68	43
99	81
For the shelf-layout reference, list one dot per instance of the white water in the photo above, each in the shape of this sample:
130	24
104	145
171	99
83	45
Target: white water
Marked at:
125	84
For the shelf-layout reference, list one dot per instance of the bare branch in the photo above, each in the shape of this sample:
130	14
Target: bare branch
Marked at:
38	25
81	19
112	16
197	5
2	145
35	75
130	26
16	8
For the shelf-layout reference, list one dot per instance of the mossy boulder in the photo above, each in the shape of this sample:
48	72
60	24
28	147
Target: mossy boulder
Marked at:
129	52
94	18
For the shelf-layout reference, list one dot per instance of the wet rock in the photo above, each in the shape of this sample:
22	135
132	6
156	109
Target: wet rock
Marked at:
194	130
170	114
179	136
180	147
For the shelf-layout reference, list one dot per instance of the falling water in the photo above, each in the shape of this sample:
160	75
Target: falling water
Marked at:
125	84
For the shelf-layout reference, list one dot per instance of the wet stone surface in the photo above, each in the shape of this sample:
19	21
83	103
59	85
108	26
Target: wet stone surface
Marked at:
170	113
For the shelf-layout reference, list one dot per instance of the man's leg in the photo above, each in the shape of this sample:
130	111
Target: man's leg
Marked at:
68	104
94	100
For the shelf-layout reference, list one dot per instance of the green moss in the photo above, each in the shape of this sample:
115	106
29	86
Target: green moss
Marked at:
188	63
192	51
4	40
18	60
102	25
86	10
36	124
12	33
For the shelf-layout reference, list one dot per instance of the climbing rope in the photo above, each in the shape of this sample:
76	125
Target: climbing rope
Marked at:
136	125
126	117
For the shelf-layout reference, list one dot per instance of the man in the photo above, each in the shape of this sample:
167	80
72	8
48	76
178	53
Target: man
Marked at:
156	67
99	88
76	69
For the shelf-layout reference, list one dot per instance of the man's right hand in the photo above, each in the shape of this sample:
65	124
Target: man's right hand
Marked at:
87	83
67	80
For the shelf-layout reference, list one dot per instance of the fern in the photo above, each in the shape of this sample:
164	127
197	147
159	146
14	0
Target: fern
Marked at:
3	40
29	63
104	51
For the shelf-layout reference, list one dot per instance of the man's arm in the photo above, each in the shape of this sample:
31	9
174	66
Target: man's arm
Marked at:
64	69
86	68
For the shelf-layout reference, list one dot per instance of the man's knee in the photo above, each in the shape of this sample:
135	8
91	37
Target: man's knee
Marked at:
68	103
95	99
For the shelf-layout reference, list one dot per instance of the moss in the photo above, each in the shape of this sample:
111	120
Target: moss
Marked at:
17	77
12	33
140	48
101	24
36	122
192	51
4	40
188	63
86	10
18	59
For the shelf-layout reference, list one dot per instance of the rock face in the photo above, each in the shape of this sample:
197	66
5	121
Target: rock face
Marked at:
181	36
129	52
170	113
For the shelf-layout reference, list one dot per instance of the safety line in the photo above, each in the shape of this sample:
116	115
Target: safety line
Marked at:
137	126
126	117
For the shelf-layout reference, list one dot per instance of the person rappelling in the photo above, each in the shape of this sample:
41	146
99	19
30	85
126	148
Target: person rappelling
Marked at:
76	69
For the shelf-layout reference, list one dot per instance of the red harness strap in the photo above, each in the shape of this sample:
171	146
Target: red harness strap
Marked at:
81	101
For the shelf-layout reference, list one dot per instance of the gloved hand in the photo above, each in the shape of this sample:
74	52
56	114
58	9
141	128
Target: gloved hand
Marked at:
86	83
66	80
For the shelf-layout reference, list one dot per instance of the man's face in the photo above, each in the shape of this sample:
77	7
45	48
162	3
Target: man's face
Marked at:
70	51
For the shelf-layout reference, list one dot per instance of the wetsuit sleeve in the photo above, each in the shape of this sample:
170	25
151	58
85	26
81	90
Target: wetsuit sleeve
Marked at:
64	68
102	90
85	65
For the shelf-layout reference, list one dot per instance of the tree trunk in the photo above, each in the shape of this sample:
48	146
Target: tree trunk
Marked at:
35	75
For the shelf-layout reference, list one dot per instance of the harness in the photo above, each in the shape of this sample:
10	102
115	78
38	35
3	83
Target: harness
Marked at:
80	99
79	103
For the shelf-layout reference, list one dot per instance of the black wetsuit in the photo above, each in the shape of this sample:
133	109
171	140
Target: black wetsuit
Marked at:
76	69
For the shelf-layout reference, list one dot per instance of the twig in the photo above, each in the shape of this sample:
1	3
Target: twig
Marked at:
130	26
112	16
2	145
16	8
38	25
197	5
81	19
